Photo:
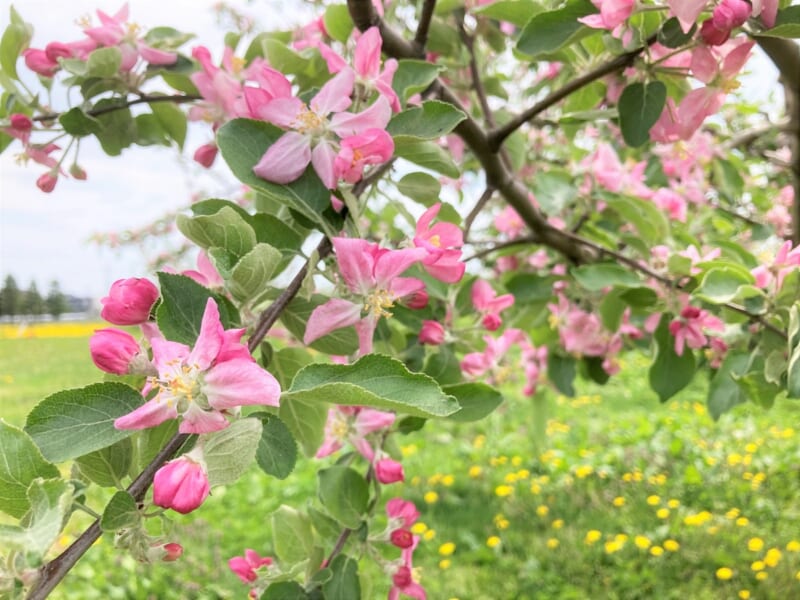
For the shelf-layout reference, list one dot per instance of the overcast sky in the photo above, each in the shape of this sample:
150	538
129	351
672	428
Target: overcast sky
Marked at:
44	237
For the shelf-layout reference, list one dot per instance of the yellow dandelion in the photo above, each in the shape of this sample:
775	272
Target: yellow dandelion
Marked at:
583	471
536	489
618	501
503	490
523	474
493	541
732	514
431	497
656	551
671	545
475	471
772	558
642	542
447	548
552	543
448	480
724	573
612	546
751	448
654	500
510	478
742	522
444	564
434	479
516	461
429	535
673	503
409	450
793	546
559	523
542	510
419	528
662	513
758	565
755	544
762	575
744	594
592	536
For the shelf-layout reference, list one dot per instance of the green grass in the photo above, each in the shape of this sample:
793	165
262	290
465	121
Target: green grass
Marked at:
537	475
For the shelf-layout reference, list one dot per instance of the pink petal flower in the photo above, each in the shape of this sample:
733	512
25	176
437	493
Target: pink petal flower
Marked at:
240	383
334	314
181	484
129	301
286	159
113	350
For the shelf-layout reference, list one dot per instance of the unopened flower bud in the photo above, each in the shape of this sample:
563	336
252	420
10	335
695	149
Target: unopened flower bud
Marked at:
492	322
431	333
713	36
113	350
47	181
206	154
402	538
181	484
418	300
172	552
389	471
21	122
129	301
731	13
77	172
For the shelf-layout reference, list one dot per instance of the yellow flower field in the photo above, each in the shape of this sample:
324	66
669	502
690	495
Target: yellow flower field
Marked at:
17	331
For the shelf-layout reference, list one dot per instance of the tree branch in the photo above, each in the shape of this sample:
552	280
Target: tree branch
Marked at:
421	38
497	136
177	99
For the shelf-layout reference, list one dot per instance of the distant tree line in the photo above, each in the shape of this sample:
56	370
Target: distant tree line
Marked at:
15	301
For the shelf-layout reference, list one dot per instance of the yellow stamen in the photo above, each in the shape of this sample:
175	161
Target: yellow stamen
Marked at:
309	122
377	303
435	241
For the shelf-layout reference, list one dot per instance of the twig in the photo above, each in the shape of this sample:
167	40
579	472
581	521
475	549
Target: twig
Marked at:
497	136
476	210
421	38
96	112
528	239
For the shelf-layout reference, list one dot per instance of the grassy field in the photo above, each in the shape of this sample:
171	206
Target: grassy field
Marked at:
606	495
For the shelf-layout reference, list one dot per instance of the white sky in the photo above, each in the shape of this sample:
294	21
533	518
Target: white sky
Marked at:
44	236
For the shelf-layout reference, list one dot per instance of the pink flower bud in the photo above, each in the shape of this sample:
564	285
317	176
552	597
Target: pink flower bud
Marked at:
206	154
47	181
56	50
418	300
129	301
181	484
731	13
492	322
77	172
172	552
113	350
431	333
21	122
402	577
389	471
713	36
244	567
402	538
38	62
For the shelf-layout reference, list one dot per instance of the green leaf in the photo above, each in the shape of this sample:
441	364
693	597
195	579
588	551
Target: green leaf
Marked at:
721	284
421	187
295	316
344	585
277	451
121	513
477	400
251	274
640	106
224	229
672	35
430	121
118	127
554	191
107	466
344	493
22	463
71	423
181	310
306	420
285	590
529	287
758	389
443	366
723	391
646	217
166	37
599	276
292	535
550	31
172	119
561	371
150	441
425	154
374	380
104	62
412	77
517	12
15	39
611	310
50	501
228	453
78	123
243	142
276	233
285	364
337	21
149	131
669	372
787	23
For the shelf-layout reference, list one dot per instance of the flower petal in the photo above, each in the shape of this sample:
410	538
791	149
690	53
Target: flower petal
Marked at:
240	382
334	314
286	159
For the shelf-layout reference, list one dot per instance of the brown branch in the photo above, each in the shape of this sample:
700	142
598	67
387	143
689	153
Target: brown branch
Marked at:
421	38
520	241
497	136
178	99
476	210
51	574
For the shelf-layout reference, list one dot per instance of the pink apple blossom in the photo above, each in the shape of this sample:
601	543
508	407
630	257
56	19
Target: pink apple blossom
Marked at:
431	332
687	11
388	471
688	329
403	577
786	260
443	243
204	383
129	301
612	14
47	181
244	567
372	147
181	484
353	424
371	274
489	304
